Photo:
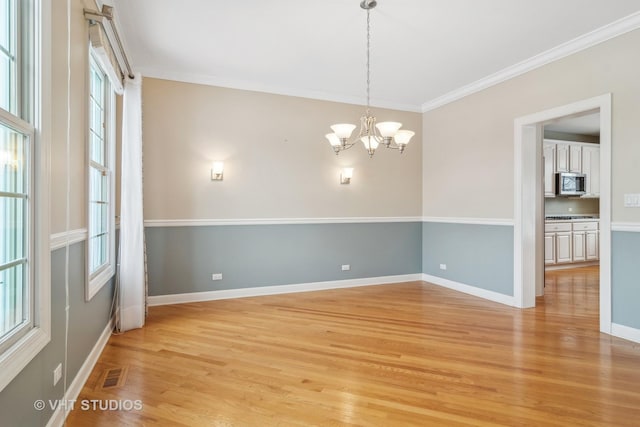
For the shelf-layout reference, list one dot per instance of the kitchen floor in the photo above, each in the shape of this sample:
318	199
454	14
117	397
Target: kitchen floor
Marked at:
574	291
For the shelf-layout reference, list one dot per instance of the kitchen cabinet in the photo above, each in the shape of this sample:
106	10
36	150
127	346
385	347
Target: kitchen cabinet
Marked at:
592	245
564	246
549	248
549	153
591	168
557	248
569	241
576	157
569	157
578	246
590	242
562	158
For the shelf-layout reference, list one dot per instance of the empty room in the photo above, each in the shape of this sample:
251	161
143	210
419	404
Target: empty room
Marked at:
347	212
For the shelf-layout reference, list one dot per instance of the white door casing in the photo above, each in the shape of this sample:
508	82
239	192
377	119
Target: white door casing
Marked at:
528	219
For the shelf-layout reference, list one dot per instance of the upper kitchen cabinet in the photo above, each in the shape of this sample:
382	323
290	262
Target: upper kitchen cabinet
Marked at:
568	157
576	157
549	153
591	168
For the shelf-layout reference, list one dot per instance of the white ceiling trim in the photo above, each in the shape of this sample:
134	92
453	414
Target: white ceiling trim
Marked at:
612	30
259	87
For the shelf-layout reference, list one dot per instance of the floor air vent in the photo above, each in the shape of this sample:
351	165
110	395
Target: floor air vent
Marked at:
112	378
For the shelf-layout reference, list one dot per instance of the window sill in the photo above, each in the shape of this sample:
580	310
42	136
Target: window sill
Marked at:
19	355
95	283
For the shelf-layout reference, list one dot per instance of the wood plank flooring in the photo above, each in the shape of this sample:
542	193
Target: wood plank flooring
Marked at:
392	355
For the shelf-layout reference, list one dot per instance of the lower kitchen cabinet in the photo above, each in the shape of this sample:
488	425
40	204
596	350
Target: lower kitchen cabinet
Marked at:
571	242
592	245
564	245
579	247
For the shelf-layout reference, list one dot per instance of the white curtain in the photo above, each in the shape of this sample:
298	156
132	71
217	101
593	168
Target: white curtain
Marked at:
132	277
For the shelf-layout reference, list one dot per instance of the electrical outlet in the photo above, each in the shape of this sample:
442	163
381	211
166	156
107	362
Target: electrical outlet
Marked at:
57	374
216	276
443	266
346	267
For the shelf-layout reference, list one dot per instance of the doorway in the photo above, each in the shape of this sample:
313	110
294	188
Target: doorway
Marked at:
529	202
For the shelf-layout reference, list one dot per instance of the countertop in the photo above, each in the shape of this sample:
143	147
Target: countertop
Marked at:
571	218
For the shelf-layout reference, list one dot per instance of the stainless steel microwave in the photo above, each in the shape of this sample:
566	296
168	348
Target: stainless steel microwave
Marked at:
570	184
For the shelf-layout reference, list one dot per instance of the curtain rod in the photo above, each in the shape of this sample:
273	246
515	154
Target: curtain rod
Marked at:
100	17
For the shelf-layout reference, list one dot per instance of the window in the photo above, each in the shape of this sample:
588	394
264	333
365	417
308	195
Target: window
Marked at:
24	234
100	148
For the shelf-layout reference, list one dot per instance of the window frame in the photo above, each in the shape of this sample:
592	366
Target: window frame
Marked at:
101	276
33	118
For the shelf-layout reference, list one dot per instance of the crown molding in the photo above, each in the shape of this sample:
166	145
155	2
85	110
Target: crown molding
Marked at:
209	80
585	41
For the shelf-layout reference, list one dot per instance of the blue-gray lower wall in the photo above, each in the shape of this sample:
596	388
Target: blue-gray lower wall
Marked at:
182	259
87	321
625	278
476	255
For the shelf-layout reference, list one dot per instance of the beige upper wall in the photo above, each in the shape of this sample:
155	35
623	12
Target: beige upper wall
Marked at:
78	96
277	162
76	166
468	144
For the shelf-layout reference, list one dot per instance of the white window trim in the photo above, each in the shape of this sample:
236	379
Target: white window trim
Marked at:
97	280
14	359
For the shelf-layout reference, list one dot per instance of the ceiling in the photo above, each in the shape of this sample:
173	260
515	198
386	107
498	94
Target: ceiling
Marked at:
588	124
421	50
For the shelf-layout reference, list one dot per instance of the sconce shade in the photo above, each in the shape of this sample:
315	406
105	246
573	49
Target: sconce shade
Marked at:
217	171
346	175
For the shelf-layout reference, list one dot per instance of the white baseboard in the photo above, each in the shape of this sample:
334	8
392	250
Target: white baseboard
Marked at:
73	391
553	267
626	332
279	289
471	290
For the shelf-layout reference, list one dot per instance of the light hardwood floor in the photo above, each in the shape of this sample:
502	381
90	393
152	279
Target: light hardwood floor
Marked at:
392	355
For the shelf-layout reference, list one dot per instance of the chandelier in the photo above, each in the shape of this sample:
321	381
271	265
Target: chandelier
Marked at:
371	134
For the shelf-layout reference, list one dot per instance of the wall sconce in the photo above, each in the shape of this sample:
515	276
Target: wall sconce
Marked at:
217	171
346	175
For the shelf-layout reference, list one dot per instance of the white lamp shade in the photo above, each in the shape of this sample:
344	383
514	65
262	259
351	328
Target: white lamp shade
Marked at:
370	143
388	129
333	139
347	173
403	137
343	130
217	168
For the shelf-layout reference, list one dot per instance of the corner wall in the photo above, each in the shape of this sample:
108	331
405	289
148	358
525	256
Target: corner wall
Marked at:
468	158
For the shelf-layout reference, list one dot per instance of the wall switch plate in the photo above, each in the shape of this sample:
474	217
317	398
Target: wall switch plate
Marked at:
216	276
57	374
443	266
346	267
632	200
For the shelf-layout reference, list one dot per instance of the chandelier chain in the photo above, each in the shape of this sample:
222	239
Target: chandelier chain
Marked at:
371	133
368	61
